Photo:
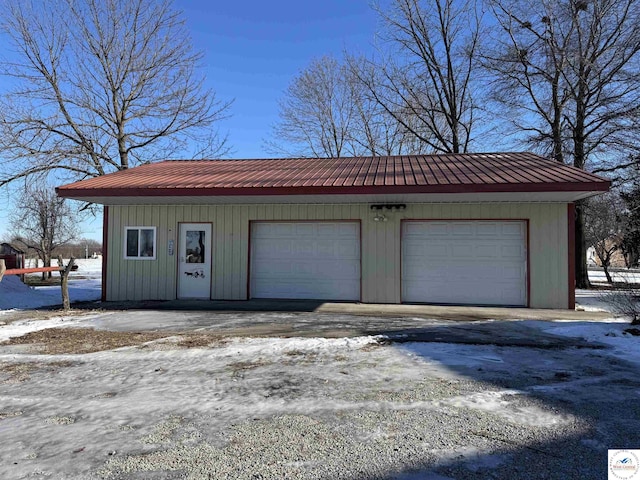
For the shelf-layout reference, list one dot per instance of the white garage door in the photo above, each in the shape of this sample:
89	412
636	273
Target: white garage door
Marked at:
464	262
312	260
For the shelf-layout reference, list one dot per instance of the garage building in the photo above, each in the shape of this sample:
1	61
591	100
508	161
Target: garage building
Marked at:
469	229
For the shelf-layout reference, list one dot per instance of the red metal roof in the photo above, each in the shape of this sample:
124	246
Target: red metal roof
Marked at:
447	173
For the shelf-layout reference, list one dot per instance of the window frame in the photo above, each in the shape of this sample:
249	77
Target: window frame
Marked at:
139	230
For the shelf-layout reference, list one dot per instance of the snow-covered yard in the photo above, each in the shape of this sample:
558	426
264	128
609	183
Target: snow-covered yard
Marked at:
84	285
209	406
81	400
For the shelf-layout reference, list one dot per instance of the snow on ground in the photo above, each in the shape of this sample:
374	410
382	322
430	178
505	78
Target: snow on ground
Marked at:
305	408
610	332
592	300
16	295
22	327
628	276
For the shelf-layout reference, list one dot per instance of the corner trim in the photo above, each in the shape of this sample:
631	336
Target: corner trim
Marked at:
571	239
105	249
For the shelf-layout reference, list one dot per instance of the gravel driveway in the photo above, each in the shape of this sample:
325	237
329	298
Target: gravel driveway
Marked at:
359	407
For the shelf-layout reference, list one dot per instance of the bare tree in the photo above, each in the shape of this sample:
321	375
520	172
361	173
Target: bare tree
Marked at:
316	112
568	69
327	111
101	85
631	226
42	222
377	128
603	227
427	76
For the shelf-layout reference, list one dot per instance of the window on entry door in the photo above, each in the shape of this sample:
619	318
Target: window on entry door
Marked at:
195	251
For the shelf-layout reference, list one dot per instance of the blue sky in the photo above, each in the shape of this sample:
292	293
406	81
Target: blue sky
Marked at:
252	50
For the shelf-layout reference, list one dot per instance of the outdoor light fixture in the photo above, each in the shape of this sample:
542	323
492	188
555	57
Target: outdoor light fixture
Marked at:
389	206
380	217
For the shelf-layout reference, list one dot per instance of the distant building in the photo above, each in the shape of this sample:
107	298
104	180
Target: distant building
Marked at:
13	257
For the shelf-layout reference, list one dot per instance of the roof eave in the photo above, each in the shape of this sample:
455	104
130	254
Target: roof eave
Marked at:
83	193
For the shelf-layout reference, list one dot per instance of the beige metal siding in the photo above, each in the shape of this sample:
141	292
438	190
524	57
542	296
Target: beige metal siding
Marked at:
136	279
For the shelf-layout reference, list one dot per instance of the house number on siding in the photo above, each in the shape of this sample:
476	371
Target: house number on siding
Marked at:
170	248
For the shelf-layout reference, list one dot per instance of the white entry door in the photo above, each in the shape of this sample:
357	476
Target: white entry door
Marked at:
194	261
306	260
475	262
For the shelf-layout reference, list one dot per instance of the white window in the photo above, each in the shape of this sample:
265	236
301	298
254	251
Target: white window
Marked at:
140	243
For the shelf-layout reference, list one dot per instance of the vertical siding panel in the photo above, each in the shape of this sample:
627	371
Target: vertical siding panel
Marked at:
210	213
160	264
294	212
465	211
219	249
236	244
367	258
126	286
228	252
243	242
375	270
392	259
110	264
150	266
180	218
170	279
132	264
311	212
120	286
139	279
185	213
217	245
563	253
114	254
126	264
161	252
253	215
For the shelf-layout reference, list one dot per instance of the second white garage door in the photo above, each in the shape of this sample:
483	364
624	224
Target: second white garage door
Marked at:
464	262
307	260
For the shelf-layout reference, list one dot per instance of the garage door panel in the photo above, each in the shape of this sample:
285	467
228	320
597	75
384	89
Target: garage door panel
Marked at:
511	251
461	229
321	260
487	229
303	229
513	229
464	262
487	252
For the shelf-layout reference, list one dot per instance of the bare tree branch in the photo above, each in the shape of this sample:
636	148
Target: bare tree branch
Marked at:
102	85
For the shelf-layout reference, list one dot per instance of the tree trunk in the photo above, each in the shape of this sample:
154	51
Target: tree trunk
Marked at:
64	281
582	274
44	264
605	267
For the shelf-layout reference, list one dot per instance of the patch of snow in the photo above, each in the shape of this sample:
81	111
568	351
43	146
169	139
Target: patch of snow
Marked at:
592	301
22	327
453	354
610	332
628	276
16	295
496	403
